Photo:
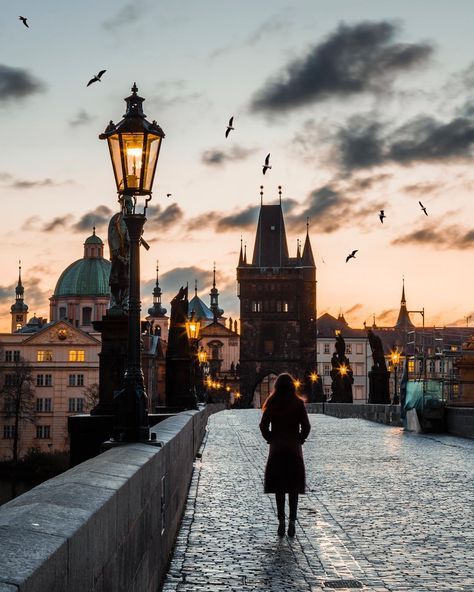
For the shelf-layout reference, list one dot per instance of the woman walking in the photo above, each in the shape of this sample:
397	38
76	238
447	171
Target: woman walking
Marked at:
285	412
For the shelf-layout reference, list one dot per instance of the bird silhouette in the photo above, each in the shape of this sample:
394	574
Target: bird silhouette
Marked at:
352	255
423	208
229	126
23	19
168	195
97	77
266	165
382	215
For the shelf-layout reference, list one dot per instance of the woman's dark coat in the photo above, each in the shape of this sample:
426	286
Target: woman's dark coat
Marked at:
289	429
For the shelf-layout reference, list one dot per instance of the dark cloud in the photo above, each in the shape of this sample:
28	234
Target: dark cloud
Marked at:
275	24
364	142
127	15
17	84
452	236
173	279
160	219
219	157
99	218
81	118
354	59
55	223
242	220
329	208
386	315
35	296
22	184
354	308
7	293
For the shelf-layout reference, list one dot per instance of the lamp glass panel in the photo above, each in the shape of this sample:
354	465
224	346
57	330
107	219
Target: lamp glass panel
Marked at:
133	157
114	147
152	149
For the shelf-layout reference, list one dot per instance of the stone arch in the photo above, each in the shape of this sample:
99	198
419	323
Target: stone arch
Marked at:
263	386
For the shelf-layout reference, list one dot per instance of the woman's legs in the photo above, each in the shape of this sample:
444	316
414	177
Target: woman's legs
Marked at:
280	502
293	499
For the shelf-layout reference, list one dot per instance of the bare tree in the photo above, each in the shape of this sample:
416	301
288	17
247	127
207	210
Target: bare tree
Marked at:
17	397
91	395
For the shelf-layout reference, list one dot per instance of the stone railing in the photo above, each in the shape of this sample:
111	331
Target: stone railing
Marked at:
388	414
108	523
460	421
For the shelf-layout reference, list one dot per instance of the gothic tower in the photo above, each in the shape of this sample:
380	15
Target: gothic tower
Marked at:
214	294
19	310
277	306
157	314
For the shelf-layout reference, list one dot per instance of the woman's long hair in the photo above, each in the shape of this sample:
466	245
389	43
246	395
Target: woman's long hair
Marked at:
284	393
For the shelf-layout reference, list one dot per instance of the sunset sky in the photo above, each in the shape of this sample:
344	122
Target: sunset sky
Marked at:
363	106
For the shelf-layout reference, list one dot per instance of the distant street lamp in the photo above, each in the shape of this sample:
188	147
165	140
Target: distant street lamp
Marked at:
395	359
193	330
343	369
134	145
313	378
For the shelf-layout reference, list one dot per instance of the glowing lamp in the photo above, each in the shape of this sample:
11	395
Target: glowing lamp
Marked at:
202	356
134	146
193	327
313	376
297	384
343	369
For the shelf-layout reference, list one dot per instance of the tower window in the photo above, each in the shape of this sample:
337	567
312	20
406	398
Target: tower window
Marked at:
257	306
62	312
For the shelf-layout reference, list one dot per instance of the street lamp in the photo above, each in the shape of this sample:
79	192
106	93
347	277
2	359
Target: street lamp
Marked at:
343	369
134	146
313	378
395	359
193	330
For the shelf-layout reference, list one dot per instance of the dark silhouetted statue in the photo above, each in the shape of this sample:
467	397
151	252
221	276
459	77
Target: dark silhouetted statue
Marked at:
341	373
379	376
179	387
119	280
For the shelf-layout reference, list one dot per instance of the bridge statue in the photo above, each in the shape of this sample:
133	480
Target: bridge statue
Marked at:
341	373
379	376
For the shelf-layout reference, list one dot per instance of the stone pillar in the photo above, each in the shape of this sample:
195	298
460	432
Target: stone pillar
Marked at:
379	389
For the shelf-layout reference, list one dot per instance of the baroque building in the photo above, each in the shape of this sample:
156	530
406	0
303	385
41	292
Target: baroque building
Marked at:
277	309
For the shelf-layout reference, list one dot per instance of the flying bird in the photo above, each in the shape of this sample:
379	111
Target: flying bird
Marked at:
168	195
23	19
97	77
266	165
229	126
382	215
423	208
352	255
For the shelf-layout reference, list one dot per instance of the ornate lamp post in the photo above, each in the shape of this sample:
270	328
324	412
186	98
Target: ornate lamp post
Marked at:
134	145
313	378
193	330
395	359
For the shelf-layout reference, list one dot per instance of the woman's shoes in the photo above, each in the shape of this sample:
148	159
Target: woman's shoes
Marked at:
281	528
291	528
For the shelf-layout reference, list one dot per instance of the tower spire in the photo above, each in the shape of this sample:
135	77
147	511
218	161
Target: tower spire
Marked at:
157	309
19	310
241	255
279	192
214	294
403	321
308	258
195	287
261	195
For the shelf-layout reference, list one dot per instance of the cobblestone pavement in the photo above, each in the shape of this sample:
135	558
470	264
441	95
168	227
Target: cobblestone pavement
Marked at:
392	510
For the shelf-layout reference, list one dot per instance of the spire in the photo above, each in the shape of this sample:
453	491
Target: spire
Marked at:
157	309
298	252
308	258
241	255
245	253
19	310
214	294
403	321
279	192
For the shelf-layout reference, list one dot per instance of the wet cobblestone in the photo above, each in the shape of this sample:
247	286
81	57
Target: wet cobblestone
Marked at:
390	509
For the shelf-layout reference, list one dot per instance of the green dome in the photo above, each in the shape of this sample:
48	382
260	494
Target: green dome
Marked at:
93	240
85	277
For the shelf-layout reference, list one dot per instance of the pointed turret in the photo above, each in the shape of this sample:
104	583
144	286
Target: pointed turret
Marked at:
271	248
298	253
308	259
19	310
403	321
157	309
241	255
214	294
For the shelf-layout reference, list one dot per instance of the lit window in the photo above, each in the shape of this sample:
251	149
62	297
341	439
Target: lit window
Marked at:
76	355
43	432
44	355
286	307
411	365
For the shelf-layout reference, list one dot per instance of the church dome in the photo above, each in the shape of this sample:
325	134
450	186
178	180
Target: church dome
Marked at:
93	240
85	277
